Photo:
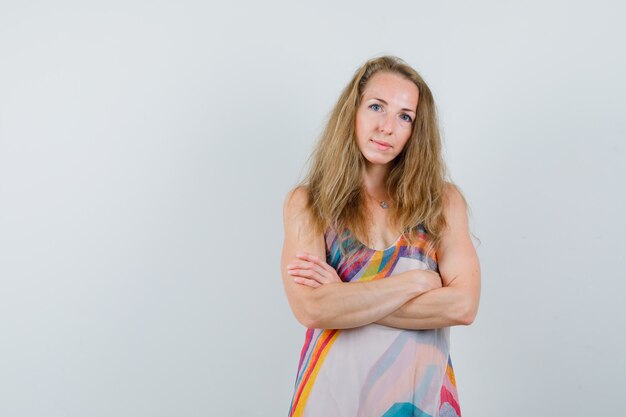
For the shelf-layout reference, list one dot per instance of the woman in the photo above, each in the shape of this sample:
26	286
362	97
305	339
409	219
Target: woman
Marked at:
377	260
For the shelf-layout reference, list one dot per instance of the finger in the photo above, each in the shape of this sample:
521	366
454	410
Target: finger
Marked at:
322	278
318	270
327	272
315	259
299	264
307	282
309	274
308	265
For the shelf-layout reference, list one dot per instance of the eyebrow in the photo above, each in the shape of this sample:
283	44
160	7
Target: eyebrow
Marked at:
384	102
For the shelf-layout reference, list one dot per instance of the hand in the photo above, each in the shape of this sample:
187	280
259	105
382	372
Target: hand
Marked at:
427	279
433	280
310	270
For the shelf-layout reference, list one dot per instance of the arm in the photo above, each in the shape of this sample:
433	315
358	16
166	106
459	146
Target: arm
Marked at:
335	304
456	303
442	307
343	305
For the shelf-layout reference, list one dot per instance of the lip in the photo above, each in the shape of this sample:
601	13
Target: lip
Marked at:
381	144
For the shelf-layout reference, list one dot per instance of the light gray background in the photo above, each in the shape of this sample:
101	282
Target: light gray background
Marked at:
146	148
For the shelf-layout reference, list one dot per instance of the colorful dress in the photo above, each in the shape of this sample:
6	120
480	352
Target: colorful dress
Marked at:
375	370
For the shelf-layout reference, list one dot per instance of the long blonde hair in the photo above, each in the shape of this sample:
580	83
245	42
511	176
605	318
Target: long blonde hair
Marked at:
415	183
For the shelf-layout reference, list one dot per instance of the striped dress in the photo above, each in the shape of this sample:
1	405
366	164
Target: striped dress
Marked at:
375	370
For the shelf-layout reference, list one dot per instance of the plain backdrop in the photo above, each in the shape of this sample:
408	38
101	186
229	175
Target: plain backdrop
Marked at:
146	149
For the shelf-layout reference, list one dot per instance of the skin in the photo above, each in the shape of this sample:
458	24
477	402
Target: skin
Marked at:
416	299
385	114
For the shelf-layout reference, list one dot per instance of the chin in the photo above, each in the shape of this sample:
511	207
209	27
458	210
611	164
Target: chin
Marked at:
378	161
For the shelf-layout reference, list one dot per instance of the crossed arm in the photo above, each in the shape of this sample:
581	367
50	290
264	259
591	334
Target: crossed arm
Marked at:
413	299
456	302
441	307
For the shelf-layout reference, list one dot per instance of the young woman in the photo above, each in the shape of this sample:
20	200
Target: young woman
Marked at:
377	260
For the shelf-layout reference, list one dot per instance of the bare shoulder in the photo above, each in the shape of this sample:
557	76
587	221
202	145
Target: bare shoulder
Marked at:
299	238
297	215
453	195
458	262
295	206
454	205
296	199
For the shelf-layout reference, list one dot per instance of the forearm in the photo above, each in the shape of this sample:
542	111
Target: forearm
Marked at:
343	305
441	307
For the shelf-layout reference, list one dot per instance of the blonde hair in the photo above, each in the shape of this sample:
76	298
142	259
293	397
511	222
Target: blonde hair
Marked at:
415	183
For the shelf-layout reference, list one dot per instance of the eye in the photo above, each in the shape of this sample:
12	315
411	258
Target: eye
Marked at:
374	106
406	117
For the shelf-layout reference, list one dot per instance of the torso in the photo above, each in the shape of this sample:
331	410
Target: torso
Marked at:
382	235
375	370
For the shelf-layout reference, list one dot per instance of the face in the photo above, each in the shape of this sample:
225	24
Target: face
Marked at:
384	119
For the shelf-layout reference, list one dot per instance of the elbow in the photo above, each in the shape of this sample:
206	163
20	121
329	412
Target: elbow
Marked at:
310	316
467	313
309	322
466	319
313	313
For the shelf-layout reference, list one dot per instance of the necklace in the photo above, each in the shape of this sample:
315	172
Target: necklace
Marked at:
382	203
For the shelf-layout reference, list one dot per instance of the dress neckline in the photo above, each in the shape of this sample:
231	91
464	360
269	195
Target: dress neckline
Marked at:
394	244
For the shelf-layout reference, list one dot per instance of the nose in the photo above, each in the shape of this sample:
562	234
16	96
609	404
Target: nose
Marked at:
386	124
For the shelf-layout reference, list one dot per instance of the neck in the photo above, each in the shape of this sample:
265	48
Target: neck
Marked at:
375	177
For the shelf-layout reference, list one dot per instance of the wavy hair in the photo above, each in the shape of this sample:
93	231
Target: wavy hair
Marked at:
415	183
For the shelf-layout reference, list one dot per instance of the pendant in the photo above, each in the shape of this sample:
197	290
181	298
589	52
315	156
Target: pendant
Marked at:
384	205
